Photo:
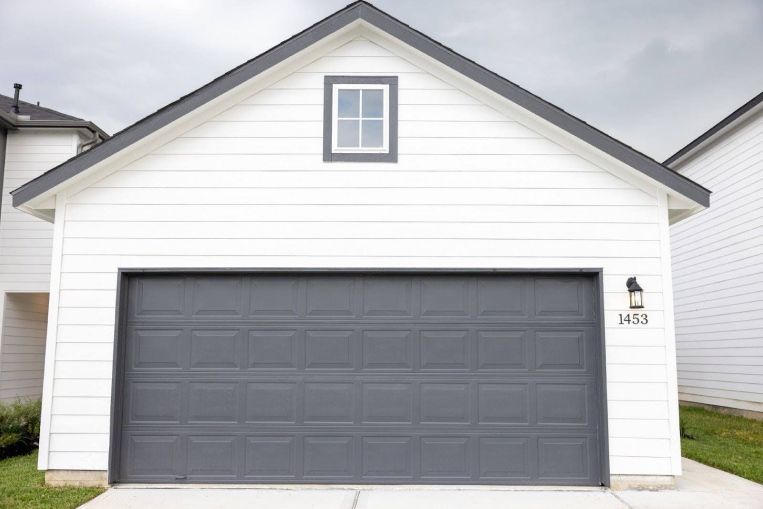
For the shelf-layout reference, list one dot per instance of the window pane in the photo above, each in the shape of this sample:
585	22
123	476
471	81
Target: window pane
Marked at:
348	132
373	133
373	103
349	103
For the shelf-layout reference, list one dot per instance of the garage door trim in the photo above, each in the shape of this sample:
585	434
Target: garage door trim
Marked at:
118	367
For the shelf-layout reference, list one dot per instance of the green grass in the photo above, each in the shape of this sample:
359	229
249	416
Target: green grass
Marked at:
727	442
23	486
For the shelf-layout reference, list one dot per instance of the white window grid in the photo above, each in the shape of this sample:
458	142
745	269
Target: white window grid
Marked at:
335	118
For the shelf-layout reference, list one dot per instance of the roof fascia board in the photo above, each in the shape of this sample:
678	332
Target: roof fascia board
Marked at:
185	105
736	118
200	115
536	105
7	121
395	28
62	124
544	128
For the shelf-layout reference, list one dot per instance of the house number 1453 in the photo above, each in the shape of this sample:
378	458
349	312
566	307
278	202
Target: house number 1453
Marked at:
634	318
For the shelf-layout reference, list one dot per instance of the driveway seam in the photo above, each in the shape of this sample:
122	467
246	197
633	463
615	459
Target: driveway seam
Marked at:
621	500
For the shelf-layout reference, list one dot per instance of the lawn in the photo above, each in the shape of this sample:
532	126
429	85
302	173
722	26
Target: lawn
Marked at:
727	442
23	486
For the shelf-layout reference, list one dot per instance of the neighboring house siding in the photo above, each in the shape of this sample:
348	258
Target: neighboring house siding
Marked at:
25	255
23	347
473	188
718	270
25	241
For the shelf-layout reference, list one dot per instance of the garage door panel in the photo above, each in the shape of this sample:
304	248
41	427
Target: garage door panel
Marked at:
388	298
377	456
390	347
157	298
330	349
273	349
439	401
212	456
387	402
215	349
387	350
362	349
271	402
271	456
153	402
505	459
360	379
330	298
217	297
153	349
274	297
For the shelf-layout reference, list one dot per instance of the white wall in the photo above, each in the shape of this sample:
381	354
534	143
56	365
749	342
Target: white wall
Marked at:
25	255
25	241
473	188
22	352
718	269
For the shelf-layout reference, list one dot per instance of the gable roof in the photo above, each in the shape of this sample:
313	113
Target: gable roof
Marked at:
716	130
33	111
362	11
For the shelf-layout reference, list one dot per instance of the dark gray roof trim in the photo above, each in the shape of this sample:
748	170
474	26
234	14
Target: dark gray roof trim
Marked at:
717	128
7	121
386	23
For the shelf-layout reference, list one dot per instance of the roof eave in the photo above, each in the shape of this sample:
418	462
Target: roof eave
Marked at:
62	124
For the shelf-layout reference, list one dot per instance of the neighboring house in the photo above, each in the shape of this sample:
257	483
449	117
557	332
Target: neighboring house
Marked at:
718	268
360	258
33	139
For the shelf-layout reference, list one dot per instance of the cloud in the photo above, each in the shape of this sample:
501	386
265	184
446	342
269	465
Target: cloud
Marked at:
654	74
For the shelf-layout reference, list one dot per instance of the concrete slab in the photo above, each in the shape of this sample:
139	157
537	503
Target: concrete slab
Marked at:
701	487
487	500
125	498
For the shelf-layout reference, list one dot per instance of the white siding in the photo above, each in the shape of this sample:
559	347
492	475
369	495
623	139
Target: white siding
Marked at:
22	353
473	188
25	256
718	269
25	241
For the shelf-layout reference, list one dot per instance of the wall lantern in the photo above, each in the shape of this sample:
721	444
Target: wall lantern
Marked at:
636	293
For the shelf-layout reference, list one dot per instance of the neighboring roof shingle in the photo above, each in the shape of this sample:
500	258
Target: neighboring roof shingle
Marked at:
33	111
362	11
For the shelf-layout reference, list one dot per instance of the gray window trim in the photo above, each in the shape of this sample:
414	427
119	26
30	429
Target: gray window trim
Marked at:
362	11
328	106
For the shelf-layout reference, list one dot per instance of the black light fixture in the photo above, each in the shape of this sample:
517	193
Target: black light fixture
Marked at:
636	293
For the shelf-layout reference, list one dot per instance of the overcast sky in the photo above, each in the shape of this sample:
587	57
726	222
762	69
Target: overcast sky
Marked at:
653	73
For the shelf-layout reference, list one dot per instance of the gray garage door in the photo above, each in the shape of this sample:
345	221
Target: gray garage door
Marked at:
359	378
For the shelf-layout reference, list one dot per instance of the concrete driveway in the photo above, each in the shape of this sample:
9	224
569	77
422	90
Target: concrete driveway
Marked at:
701	487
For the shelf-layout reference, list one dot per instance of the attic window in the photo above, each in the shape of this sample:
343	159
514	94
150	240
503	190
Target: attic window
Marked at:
360	118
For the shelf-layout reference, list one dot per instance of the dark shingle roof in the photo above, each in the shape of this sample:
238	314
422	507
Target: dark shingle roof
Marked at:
33	111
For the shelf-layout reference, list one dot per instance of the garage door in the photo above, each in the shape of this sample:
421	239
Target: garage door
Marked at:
359	378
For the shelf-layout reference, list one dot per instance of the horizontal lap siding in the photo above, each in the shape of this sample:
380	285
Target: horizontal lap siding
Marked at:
718	267
472	188
22	356
26	241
